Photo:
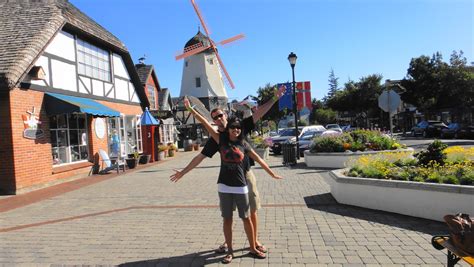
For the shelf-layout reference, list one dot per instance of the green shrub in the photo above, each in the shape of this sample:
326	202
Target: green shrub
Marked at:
450	179
434	153
467	179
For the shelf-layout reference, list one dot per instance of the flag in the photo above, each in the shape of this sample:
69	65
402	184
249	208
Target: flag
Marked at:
286	100
303	95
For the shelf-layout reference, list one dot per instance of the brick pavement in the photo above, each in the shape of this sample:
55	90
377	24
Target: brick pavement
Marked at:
142	219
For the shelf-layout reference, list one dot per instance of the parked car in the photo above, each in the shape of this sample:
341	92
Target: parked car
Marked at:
458	130
283	135
348	128
428	128
306	138
334	127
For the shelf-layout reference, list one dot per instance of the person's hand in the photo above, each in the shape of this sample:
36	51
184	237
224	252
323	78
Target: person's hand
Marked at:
280	92
175	177
276	176
187	104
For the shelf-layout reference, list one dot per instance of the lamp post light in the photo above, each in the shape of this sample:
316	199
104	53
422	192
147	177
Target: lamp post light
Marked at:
292	59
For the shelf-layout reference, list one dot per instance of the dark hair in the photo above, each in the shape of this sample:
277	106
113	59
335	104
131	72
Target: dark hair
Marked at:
216	109
232	121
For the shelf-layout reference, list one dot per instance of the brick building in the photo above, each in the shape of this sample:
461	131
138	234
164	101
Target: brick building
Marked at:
66	85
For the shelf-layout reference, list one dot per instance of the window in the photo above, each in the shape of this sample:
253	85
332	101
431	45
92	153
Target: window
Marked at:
151	96
68	138
186	63
130	134
211	61
198	82
93	61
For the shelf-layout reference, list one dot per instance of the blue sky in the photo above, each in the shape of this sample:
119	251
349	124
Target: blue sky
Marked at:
355	38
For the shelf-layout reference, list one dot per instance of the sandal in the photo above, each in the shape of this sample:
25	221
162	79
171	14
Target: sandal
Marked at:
228	258
257	255
262	248
221	249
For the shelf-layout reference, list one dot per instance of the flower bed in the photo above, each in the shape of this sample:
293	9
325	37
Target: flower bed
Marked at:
436	182
423	200
334	151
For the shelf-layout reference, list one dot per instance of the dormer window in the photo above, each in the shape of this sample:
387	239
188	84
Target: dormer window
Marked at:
93	61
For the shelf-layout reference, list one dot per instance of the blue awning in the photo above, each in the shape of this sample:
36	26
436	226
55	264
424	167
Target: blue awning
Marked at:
57	104
148	119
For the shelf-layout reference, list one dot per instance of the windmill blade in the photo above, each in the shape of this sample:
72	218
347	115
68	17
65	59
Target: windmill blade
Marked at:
232	39
192	50
221	64
198	12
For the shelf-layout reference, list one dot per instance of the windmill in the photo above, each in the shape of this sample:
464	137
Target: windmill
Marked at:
204	72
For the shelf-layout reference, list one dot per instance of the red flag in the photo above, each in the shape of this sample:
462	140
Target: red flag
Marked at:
303	95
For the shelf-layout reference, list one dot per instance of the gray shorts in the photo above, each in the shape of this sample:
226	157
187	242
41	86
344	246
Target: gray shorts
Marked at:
227	202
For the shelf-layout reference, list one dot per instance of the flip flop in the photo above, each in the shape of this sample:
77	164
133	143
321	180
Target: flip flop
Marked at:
257	255
221	249
262	248
228	258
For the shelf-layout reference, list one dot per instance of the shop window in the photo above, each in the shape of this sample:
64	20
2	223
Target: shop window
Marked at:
129	134
68	138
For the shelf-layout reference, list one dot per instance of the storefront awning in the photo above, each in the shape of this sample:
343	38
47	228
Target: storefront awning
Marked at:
63	104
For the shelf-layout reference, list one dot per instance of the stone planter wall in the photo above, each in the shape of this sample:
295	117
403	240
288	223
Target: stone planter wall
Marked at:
263	152
423	200
337	160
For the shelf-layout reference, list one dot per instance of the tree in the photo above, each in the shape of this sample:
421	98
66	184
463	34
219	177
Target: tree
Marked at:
432	84
333	84
265	94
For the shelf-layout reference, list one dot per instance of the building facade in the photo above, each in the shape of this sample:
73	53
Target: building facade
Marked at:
68	88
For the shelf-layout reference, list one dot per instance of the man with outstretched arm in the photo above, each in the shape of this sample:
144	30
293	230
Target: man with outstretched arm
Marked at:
219	118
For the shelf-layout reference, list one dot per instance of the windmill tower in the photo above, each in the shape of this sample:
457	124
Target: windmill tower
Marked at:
204	73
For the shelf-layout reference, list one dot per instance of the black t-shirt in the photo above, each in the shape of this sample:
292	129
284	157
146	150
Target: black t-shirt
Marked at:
211	147
233	163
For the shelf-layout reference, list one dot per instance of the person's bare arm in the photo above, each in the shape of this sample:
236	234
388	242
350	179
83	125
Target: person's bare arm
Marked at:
213	132
194	162
264	165
264	108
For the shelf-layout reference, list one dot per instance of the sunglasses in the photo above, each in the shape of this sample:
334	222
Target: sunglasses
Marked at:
235	127
218	116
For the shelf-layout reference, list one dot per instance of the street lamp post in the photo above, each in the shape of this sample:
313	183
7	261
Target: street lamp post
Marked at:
292	59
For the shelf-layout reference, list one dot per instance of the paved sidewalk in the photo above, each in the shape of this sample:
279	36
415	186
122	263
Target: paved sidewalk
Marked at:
142	219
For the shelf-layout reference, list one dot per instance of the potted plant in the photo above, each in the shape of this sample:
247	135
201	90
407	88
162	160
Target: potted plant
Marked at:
161	151
144	159
261	146
171	149
132	159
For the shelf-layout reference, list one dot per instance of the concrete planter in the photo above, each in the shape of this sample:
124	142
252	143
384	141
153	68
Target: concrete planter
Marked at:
263	152
337	160
423	200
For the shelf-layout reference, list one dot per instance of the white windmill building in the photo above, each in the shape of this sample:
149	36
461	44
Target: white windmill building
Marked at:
203	68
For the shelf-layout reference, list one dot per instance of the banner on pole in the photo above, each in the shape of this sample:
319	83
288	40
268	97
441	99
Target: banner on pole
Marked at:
286	100
303	95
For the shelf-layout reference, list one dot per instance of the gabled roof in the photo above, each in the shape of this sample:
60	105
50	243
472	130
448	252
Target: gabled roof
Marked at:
144	71
27	27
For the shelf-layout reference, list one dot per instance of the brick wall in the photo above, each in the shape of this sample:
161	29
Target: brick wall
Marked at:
26	162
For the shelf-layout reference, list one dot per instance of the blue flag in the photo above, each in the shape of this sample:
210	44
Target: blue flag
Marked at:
286	100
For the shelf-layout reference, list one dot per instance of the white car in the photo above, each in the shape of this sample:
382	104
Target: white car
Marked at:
334	127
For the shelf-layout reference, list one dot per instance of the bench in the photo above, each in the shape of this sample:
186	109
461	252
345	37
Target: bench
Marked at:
454	254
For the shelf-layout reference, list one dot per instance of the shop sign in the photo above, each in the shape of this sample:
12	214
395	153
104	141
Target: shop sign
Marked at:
99	128
30	123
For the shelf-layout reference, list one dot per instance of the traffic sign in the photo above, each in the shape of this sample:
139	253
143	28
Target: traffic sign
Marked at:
389	101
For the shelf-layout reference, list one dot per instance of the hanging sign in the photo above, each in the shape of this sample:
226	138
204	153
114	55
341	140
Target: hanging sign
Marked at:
30	123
